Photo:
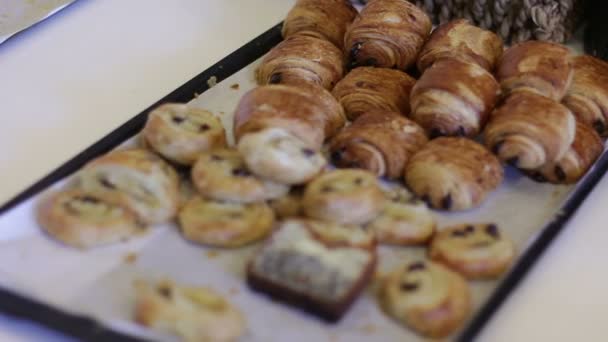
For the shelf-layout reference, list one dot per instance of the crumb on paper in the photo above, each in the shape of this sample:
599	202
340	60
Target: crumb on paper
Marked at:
235	86
233	291
212	81
196	94
368	328
212	254
130	258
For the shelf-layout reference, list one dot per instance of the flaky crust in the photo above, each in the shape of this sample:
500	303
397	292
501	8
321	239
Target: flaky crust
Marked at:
378	141
387	34
453	173
454	98
460	39
302	60
529	130
366	88
540	67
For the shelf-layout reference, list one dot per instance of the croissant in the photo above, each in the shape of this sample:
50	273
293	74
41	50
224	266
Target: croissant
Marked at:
453	97
302	59
367	88
453	173
325	19
388	34
379	141
540	67
530	130
587	97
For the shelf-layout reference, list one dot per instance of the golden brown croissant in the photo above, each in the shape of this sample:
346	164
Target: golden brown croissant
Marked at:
310	113
367	88
587	96
302	59
530	130
453	97
388	34
453	173
379	141
325	19
540	67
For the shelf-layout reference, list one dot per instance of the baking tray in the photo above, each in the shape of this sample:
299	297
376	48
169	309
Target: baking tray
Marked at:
33	290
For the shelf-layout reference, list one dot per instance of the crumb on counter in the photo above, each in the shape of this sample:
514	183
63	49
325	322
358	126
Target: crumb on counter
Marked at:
130	258
212	81
235	86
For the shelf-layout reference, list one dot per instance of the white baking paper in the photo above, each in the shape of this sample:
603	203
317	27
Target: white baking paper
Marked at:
17	15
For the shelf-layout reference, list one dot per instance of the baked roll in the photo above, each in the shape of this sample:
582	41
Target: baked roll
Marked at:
460	39
387	34
139	179
540	67
453	98
380	142
453	173
302	60
587	96
325	19
366	88
529	130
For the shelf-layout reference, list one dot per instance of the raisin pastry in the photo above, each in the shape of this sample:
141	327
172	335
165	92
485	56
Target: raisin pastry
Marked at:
529	130
85	220
345	196
225	224
454	98
221	175
318	266
540	67
427	297
276	155
139	178
193	313
325	19
365	89
387	34
459	39
180	133
453	173
587	97
585	150
378	141
289	205
302	60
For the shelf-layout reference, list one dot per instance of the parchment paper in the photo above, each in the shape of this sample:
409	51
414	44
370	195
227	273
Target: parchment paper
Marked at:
17	15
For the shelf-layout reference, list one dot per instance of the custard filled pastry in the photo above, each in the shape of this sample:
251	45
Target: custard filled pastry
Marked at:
366	88
378	141
540	67
302	60
325	19
453	173
453	98
529	130
387	34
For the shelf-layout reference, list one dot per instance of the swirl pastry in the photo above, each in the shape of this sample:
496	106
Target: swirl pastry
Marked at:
587	96
381	142
302	60
530	130
325	19
387	34
453	98
366	88
540	67
453	173
138	178
460	39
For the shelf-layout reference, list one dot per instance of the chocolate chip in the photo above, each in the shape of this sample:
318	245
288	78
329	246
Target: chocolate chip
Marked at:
497	146
360	84
559	173
215	157
106	183
240	173
177	119
461	132
409	286
492	230
165	292
513	161
435	133
599	126
204	127
336	156
308	152
371	62
275	78
358	181
417	266
446	202
469	229
88	199
537	176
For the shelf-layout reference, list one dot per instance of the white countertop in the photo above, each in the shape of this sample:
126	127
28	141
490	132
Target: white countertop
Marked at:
70	80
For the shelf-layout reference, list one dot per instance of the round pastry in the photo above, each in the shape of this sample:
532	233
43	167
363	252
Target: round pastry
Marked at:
221	175
477	251
300	60
276	155
225	224
427	297
138	178
289	205
453	173
180	133
84	220
366	88
344	196
529	130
